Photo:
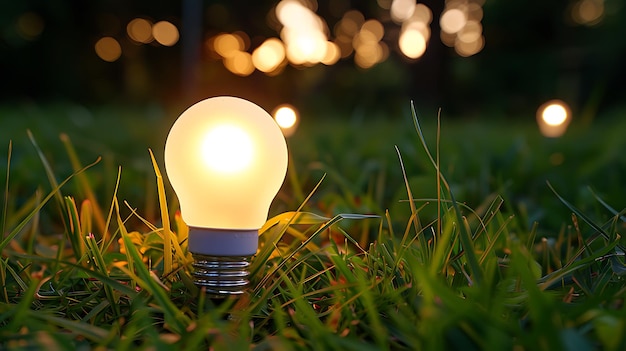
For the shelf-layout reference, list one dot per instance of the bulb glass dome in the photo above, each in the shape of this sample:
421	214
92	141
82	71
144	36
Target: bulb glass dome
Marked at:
226	159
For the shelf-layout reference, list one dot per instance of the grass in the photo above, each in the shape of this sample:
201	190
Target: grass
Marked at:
508	266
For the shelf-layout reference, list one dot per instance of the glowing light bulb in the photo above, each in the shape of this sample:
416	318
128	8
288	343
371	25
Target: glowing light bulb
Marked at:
226	159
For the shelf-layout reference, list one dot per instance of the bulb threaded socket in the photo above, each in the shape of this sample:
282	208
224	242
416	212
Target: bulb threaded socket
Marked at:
221	276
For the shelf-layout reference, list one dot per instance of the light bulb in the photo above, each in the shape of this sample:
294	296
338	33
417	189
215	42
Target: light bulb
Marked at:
226	159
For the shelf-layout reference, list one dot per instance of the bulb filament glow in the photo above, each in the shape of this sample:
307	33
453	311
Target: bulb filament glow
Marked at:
227	149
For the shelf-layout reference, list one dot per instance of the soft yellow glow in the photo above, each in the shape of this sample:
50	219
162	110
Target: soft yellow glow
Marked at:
345	31
401	10
304	47
417	25
286	117
474	11
165	33
29	25
226	45
333	54
447	38
239	63
108	49
374	29
415	33
366	43
350	23
238	198
294	14
344	43
422	14
471	32
269	55
304	32
452	20
467	49
553	118
227	149
588	12
368	54
412	43
384	4
554	114
140	30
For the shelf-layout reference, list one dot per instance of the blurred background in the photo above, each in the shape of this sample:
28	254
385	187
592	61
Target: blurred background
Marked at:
469	57
111	76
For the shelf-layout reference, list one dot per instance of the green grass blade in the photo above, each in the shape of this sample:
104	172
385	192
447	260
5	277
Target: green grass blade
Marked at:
621	215
168	236
98	263
586	219
320	230
50	174
5	198
174	317
266	250
82	179
414	219
74	231
27	219
108	239
86	330
20	311
465	236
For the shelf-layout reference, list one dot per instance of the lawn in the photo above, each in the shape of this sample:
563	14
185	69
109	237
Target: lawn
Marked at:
486	236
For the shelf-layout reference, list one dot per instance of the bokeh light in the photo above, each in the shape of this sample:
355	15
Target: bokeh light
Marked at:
588	12
415	33
231	47
304	47
554	114
373	29
469	48
402	10
29	25
306	40
553	118
384	4
165	33
346	29
333	54
471	32
412	43
227	45
367	44
240	63
422	14
304	32
452	20
461	26
140	30
108	49
269	56
286	117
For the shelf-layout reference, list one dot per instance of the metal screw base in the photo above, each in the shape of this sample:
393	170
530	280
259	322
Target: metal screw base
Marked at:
221	276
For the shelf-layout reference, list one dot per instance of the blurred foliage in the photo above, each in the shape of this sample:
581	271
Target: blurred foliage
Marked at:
480	157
